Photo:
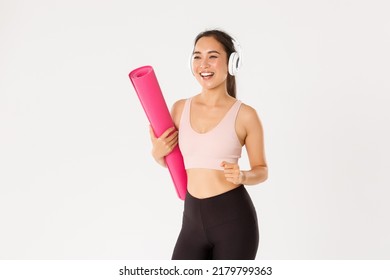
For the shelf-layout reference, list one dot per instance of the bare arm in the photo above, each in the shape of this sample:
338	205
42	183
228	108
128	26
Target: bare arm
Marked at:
164	144
251	133
254	143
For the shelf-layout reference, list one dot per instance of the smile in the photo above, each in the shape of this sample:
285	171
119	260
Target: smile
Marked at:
206	74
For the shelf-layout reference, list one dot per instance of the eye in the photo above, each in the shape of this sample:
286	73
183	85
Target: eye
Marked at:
213	56
196	57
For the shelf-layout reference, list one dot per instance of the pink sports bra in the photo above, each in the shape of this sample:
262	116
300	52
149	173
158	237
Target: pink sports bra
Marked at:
208	150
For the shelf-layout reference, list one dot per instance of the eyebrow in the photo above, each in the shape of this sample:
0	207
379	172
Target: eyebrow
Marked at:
197	52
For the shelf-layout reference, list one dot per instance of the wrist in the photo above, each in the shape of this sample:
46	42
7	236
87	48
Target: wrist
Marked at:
162	162
243	177
159	160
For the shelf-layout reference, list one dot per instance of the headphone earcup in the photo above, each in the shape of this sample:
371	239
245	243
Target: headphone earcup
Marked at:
234	63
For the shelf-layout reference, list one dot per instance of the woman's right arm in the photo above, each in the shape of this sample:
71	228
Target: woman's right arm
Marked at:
164	144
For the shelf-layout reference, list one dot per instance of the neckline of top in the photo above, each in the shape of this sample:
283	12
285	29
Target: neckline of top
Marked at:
217	125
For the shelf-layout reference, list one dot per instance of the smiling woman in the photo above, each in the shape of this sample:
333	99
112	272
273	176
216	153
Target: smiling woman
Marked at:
231	47
219	220
209	66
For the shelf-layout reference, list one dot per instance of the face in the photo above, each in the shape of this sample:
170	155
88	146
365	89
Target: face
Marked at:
209	63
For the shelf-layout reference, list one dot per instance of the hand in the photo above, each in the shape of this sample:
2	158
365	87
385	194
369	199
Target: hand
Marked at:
233	173
164	144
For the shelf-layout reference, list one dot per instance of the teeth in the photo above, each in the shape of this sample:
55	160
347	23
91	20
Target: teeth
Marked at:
206	74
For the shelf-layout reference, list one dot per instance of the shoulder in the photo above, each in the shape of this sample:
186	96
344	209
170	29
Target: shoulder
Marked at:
177	107
248	120
179	104
176	111
247	113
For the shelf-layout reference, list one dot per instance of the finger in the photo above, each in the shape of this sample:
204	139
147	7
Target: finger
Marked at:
230	180
229	166
167	132
174	141
228	172
225	164
168	145
172	144
232	172
151	132
229	169
172	136
233	180
171	139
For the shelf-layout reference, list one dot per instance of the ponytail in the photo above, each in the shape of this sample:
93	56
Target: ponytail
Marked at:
231	85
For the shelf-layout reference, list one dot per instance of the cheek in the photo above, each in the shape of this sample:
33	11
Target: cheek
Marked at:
194	65
221	65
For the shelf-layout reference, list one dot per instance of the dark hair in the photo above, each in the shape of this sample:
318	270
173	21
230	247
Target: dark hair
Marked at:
227	42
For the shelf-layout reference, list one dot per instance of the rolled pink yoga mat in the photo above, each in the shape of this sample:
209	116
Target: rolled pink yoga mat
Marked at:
149	93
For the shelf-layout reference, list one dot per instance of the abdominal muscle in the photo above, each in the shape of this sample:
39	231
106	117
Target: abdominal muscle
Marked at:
204	183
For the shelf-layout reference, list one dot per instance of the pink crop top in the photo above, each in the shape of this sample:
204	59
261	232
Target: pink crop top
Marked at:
208	150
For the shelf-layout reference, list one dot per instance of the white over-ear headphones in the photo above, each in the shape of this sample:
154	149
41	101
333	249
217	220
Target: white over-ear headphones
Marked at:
234	63
235	59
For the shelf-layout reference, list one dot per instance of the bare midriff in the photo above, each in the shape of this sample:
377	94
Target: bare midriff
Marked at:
203	183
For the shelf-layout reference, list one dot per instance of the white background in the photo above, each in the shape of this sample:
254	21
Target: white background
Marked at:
76	177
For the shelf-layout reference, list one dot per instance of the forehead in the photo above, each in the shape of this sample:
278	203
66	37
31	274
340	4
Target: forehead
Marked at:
208	44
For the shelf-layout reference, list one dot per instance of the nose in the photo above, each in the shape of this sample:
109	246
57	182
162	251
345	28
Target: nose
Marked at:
204	63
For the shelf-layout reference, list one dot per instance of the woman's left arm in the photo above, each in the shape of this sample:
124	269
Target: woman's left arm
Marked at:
254	143
250	131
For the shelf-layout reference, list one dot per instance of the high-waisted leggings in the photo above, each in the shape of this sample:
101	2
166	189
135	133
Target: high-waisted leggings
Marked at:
222	227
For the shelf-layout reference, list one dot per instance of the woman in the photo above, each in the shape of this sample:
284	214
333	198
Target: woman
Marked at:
219	219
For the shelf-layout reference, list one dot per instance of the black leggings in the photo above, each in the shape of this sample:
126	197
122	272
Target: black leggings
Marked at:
222	227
